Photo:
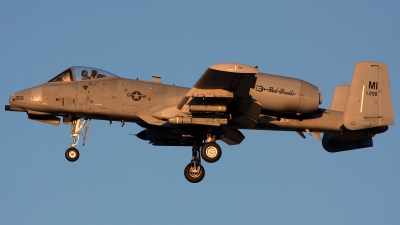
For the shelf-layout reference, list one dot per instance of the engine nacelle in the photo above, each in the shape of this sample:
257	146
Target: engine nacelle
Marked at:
285	94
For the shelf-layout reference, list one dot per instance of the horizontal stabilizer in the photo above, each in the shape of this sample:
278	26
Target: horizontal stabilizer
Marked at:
336	142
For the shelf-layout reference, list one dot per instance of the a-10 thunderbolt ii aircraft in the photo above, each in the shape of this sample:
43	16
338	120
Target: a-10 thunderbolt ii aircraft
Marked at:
227	97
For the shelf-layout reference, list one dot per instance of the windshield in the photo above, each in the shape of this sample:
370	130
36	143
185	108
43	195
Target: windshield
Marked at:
65	76
77	73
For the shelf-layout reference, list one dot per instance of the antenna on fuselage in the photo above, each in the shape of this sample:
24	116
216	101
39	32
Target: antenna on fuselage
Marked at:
156	79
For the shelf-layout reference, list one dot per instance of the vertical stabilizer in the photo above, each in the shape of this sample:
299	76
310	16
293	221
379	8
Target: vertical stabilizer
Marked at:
339	98
369	102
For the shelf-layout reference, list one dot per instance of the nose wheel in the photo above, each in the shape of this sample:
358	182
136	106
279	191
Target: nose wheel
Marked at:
72	154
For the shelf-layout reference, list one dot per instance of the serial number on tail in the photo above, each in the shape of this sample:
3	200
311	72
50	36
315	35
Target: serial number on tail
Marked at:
371	93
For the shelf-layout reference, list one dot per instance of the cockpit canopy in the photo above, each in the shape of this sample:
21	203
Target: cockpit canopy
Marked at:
77	73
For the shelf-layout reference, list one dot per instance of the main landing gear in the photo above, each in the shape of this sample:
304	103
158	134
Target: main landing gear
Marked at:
210	151
194	171
72	154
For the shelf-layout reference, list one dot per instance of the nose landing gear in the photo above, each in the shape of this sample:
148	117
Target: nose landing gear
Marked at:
72	154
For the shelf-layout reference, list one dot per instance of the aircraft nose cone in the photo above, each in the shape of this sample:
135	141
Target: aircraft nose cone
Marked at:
17	102
20	98
11	99
12	106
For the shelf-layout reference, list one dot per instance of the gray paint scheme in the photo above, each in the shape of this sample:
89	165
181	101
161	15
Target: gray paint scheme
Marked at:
248	99
226	98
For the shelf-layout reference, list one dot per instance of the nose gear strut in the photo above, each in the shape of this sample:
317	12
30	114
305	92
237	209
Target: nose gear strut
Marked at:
76	128
72	154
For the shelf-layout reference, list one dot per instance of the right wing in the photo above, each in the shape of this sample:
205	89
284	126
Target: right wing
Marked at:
223	90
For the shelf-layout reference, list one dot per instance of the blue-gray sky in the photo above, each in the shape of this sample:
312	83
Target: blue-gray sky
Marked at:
272	177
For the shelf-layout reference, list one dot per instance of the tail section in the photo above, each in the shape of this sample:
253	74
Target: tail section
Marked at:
366	105
369	102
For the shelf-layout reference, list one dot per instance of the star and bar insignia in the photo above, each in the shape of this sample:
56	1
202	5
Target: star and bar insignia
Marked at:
136	95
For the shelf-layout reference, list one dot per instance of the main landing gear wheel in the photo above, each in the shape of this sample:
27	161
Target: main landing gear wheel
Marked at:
72	154
211	152
194	173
